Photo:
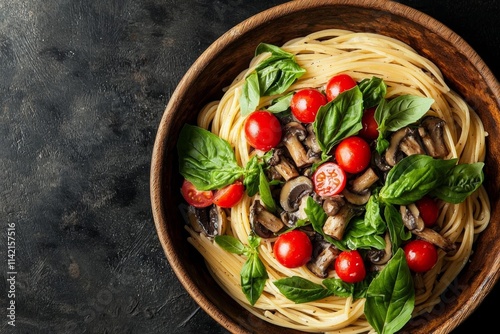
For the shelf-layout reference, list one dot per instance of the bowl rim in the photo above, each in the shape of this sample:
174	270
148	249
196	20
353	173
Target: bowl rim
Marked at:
259	19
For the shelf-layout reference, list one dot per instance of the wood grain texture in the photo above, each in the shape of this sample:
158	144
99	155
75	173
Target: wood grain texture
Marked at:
463	69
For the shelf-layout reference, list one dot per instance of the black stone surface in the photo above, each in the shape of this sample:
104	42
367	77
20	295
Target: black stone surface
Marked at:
83	85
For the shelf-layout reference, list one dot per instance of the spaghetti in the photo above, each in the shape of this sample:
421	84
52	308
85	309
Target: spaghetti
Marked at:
361	55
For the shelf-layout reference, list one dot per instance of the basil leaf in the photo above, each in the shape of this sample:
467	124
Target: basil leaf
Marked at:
398	113
230	244
361	233
460	182
265	192
372	214
339	119
205	159
317	217
390	298
397	230
272	76
338	287
251	180
417	161
301	290
250	95
281	104
254	242
253	278
374	90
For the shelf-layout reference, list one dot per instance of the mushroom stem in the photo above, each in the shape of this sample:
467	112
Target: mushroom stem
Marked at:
435	238
335	225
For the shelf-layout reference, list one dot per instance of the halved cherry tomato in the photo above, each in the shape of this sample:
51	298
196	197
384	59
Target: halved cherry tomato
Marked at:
262	130
353	154
228	196
429	210
293	249
421	255
195	197
338	84
350	267
305	104
329	179
370	126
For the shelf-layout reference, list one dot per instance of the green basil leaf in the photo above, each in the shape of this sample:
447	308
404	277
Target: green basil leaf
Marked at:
397	230
205	159
253	277
273	49
405	110
338	287
365	242
417	161
339	119
460	182
301	290
250	95
372	214
281	103
254	242
390	298
265	192
251	179
230	244
374	90
317	217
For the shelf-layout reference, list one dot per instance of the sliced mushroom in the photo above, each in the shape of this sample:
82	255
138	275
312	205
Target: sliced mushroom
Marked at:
290	218
211	220
411	217
263	222
435	238
335	225
359	191
381	256
294	134
431	132
293	191
282	165
391	154
321	262
332	204
311	141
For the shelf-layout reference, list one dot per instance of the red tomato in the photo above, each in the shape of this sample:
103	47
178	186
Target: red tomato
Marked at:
421	255
370	126
338	84
350	267
429	210
228	196
329	179
353	154
195	197
293	249
305	104
262	130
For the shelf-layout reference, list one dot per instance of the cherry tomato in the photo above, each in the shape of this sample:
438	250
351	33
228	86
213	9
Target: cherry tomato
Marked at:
329	179
421	255
305	104
353	154
262	130
350	267
195	197
293	249
228	196
370	126
429	210
338	84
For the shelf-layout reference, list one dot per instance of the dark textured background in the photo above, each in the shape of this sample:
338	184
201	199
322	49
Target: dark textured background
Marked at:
83	85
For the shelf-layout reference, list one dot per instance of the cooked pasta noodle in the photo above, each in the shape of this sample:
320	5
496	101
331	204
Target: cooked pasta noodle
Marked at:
361	55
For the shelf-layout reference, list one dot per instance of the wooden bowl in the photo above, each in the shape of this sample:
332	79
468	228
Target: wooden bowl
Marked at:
464	71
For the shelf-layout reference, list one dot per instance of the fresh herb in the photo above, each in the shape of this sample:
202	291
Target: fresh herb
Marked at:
209	162
395	226
273	76
265	192
301	290
253	275
390	298
398	113
418	175
374	90
338	119
280	104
